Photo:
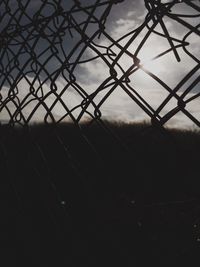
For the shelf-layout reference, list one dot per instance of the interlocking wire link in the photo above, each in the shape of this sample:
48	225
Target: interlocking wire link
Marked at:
45	44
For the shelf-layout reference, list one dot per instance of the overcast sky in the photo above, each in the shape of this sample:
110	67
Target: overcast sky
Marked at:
123	18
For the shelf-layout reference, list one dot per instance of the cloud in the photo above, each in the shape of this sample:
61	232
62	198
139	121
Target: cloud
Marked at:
167	69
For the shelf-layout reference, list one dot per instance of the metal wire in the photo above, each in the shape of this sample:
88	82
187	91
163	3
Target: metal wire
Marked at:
40	46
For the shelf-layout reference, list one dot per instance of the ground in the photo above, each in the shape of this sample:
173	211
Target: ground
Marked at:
99	195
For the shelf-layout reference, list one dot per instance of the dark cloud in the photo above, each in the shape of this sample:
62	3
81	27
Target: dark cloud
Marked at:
136	9
32	33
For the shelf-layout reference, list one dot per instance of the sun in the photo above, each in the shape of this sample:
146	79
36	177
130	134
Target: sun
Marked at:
153	66
149	62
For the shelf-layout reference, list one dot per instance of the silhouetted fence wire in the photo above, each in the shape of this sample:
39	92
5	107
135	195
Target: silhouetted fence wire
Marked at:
47	41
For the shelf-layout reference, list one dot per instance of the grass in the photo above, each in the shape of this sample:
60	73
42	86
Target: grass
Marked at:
123	193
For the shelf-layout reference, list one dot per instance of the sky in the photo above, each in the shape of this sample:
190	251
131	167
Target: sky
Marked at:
90	75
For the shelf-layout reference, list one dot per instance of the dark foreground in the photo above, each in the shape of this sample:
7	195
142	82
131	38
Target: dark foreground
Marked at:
73	197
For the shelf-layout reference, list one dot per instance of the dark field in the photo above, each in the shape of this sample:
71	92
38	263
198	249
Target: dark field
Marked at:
75	196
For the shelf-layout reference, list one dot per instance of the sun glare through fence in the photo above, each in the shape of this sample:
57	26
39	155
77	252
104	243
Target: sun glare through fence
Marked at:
87	60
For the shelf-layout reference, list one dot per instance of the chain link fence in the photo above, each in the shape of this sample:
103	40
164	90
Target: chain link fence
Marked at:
47	45
63	61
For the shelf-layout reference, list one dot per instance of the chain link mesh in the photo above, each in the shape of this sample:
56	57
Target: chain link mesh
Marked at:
45	44
51	58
